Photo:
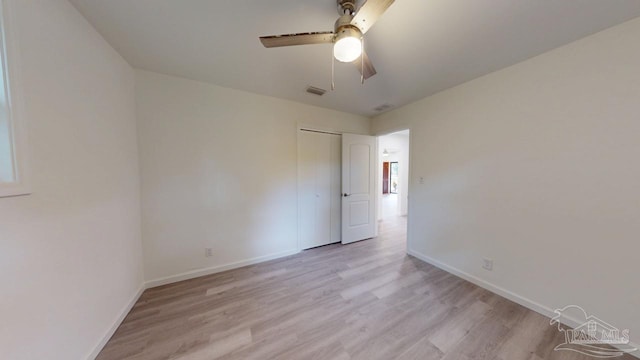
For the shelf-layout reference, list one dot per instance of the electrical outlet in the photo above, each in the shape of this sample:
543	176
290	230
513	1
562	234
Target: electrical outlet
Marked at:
208	252
487	264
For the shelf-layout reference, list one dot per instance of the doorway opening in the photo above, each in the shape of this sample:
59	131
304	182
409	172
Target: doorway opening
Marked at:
393	180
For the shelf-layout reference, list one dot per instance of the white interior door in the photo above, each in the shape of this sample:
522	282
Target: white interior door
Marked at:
358	198
319	183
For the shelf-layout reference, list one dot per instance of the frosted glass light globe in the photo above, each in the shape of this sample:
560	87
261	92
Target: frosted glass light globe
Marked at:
347	49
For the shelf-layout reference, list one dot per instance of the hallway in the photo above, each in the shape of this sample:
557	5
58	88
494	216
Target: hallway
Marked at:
389	206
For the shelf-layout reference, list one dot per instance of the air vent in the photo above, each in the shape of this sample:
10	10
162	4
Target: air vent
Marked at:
316	91
383	107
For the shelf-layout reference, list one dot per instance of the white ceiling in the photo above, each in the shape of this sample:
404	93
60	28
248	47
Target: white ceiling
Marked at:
419	47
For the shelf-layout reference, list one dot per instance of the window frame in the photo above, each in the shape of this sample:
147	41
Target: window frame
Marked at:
16	119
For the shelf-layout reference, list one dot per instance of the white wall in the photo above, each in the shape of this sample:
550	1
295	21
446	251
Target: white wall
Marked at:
398	144
219	170
70	253
535	166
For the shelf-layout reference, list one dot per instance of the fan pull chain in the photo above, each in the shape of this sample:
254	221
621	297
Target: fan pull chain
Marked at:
362	60
333	72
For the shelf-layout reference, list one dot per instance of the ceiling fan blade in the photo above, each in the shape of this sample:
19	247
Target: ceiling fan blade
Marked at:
369	13
369	70
297	39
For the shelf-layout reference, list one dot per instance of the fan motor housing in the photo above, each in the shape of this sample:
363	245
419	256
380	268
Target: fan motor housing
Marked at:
343	27
344	20
348	31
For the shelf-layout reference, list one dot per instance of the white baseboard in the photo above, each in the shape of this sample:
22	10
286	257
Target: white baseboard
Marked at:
216	269
528	303
125	311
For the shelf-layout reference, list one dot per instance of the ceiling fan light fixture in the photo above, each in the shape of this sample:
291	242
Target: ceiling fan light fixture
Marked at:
348	46
347	37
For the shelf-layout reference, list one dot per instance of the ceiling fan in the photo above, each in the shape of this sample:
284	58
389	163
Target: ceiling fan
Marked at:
347	37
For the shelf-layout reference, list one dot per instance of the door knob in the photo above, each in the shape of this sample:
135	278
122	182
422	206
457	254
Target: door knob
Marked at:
345	194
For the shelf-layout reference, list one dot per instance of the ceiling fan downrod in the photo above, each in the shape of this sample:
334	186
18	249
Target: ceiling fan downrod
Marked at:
346	7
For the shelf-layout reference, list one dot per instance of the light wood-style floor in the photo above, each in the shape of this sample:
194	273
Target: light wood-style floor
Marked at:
367	300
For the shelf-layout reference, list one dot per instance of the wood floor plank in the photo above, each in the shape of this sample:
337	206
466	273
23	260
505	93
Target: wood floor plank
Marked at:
394	286
368	285
458	326
217	349
245	282
421	350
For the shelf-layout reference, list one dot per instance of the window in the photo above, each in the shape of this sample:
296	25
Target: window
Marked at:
7	162
12	145
394	177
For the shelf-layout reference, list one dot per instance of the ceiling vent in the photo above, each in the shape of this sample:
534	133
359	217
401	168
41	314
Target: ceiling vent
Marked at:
383	107
316	91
